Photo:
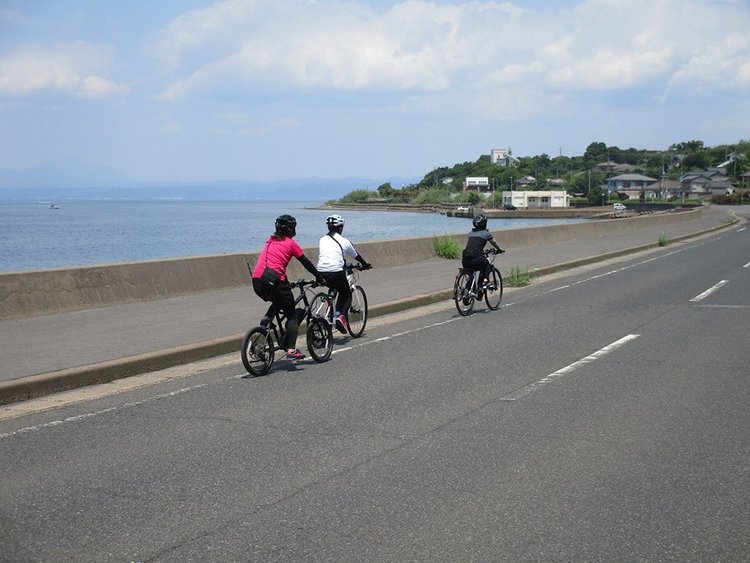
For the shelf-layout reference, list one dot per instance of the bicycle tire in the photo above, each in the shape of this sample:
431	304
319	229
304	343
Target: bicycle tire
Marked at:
357	317
319	339
462	293
493	294
257	351
319	306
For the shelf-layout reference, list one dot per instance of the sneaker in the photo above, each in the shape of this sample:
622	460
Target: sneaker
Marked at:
295	355
341	324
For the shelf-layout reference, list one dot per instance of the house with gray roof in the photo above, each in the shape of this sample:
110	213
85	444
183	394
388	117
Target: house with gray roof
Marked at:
703	184
634	186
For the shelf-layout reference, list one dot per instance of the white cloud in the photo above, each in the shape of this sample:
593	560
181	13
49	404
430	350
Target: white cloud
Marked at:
725	64
67	68
367	84
271	46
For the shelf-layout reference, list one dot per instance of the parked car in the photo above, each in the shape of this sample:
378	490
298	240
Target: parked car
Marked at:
509	207
619	207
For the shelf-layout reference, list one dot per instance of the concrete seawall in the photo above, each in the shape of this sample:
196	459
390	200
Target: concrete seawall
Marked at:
29	294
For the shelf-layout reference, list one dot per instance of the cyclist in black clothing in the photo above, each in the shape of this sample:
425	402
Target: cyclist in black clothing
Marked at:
472	258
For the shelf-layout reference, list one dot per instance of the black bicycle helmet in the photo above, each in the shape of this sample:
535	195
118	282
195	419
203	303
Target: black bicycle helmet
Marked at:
479	222
286	225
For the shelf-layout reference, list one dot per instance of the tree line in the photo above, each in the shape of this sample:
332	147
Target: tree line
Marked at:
584	177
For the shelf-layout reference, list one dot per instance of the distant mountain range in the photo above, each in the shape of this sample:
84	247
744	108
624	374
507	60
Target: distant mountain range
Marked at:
72	179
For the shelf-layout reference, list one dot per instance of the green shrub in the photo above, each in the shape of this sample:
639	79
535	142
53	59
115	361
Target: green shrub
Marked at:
664	239
517	277
359	196
447	247
432	196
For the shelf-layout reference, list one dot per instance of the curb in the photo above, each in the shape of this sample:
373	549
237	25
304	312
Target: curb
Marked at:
34	386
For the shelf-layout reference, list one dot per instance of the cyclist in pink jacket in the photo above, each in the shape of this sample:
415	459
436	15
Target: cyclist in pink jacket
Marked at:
279	250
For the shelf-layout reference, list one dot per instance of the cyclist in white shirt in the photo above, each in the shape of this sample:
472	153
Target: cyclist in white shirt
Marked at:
332	253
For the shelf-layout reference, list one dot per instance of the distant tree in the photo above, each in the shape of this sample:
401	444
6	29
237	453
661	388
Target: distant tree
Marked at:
596	195
595	153
694	160
386	190
687	146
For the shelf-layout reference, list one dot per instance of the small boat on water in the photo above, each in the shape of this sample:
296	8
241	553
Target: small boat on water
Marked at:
54	206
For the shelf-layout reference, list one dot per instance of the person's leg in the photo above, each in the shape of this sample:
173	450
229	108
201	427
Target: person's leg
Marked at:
284	301
344	300
259	289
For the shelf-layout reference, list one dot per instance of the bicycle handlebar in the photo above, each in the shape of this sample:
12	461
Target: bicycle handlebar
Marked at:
350	267
303	282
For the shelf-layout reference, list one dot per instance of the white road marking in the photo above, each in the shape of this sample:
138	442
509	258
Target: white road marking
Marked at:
708	292
85	416
536	385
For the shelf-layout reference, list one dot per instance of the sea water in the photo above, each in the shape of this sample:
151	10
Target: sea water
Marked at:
38	236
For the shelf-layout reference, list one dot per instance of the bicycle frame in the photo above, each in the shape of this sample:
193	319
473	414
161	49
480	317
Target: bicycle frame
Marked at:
352	276
278	328
323	305
470	287
475	290
261	343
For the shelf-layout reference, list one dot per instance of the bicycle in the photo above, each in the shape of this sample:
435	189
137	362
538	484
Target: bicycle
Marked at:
468	288
323	304
260	344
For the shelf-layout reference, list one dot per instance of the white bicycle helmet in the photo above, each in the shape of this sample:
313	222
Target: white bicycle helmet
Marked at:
335	221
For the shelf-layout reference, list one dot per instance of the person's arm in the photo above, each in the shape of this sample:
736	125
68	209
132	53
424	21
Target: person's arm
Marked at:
493	243
310	267
365	264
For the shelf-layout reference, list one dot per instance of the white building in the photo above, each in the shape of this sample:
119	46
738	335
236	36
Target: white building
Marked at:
502	157
478	183
524	199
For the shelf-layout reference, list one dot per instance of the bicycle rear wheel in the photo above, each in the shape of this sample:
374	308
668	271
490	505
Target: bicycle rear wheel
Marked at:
493	294
357	316
257	351
462	293
319	339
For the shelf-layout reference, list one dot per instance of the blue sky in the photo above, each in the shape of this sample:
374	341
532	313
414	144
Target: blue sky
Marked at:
191	90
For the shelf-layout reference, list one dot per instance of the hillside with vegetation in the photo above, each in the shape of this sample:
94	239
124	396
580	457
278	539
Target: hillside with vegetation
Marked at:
583	177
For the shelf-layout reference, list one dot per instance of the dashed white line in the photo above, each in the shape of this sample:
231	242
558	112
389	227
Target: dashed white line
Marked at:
536	385
708	292
84	416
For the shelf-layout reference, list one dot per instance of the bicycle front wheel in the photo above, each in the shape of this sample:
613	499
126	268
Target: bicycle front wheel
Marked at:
257	351
319	339
493	294
462	293
357	316
320	306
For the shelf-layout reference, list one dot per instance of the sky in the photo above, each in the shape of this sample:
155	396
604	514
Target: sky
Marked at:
191	90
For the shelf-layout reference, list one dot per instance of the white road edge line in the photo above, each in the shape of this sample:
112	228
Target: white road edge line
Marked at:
708	292
536	385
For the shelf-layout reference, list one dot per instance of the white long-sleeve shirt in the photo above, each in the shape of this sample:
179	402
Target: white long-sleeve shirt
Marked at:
331	256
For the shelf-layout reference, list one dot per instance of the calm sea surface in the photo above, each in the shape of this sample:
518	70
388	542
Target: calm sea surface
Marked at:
34	236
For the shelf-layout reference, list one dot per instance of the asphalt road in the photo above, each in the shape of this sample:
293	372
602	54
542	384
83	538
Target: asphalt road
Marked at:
599	415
